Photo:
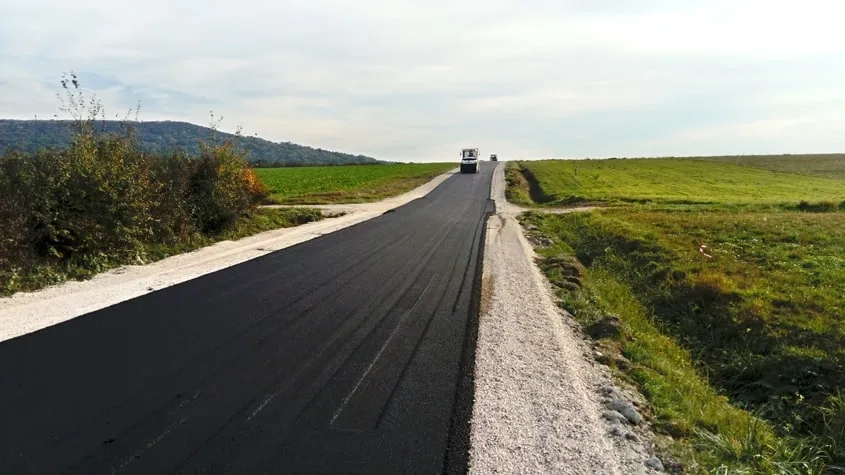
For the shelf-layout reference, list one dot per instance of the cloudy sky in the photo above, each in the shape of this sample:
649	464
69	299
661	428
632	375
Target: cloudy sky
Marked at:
416	81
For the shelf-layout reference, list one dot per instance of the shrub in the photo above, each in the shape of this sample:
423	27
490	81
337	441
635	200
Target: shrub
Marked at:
170	177
222	188
13	230
103	199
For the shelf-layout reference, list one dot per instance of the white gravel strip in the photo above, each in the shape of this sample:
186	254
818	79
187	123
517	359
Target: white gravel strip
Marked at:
537	406
27	312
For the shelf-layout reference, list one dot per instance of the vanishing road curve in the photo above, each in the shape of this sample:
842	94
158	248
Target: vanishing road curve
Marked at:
346	353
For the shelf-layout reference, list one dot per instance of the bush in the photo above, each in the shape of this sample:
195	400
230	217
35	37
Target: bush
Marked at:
13	230
103	199
170	178
222	188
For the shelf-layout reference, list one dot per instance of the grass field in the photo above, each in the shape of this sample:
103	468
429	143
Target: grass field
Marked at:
682	181
346	184
741	354
824	165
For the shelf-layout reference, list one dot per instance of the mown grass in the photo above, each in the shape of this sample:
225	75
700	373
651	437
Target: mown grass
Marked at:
762	319
345	184
31	276
666	181
831	165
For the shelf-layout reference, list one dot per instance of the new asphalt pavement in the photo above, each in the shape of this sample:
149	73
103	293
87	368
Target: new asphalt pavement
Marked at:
348	353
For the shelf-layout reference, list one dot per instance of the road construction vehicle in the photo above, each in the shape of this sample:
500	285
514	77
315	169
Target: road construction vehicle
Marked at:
469	160
494	157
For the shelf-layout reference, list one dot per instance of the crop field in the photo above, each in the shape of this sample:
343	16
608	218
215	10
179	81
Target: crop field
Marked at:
825	165
346	184
733	314
681	181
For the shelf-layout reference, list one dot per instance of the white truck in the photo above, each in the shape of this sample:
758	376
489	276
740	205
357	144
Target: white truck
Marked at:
469	160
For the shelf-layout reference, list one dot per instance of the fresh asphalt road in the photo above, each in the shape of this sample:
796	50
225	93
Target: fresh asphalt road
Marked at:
345	353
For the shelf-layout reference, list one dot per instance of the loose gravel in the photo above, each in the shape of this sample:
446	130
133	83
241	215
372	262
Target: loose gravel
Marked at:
541	401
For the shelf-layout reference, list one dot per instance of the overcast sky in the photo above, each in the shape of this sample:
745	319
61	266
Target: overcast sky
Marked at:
417	81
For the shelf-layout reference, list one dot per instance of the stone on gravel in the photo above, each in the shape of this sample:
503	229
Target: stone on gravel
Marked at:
622	363
627	410
655	463
568	265
615	416
602	358
607	327
610	391
673	466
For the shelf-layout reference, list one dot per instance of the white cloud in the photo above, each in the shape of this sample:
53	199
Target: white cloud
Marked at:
817	133
756	29
559	102
413	80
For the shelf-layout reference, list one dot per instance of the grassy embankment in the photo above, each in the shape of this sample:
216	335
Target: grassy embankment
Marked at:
742	354
668	181
346	184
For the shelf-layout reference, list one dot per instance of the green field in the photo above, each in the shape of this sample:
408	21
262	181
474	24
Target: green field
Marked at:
824	165
346	184
741	354
683	181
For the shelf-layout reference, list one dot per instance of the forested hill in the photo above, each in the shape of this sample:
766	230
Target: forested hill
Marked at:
159	137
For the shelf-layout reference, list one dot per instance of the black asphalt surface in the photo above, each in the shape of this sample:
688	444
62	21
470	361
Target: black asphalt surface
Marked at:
343	354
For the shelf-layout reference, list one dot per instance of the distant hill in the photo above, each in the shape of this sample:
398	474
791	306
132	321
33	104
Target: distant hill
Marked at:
159	137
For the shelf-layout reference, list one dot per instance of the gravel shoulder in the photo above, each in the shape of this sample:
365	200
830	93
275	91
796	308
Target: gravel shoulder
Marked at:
542	404
26	312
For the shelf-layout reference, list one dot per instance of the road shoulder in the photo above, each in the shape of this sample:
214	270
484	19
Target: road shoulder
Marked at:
538	405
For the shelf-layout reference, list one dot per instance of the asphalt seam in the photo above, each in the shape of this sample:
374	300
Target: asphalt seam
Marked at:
457	455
